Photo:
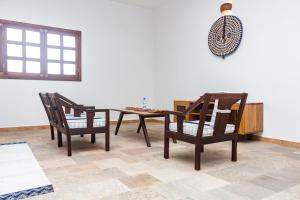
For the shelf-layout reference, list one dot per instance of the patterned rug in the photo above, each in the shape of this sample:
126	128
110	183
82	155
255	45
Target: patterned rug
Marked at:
20	174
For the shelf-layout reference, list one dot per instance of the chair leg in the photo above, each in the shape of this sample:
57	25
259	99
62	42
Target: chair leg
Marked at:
52	132
69	145
202	149
81	135
166	148
107	145
234	150
59	139
197	157
93	138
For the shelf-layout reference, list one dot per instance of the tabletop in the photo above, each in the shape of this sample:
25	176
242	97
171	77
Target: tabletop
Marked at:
142	112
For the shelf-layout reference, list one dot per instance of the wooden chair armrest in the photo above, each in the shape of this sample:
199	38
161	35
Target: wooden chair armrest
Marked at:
101	110
90	112
180	118
89	107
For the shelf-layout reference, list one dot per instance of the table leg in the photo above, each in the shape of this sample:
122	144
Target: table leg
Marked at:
119	122
142	122
139	128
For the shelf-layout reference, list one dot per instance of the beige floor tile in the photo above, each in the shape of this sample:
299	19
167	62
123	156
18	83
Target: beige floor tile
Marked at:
139	181
132	171
249	191
169	174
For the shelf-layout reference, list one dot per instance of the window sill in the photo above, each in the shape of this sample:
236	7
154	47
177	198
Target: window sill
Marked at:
38	77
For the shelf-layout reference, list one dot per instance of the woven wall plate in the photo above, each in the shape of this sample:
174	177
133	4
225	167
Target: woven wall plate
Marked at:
225	35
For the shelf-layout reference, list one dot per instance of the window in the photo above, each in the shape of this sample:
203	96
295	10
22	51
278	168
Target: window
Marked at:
35	52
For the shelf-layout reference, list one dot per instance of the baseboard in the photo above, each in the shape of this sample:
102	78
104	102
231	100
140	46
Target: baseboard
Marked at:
43	127
24	128
277	141
155	121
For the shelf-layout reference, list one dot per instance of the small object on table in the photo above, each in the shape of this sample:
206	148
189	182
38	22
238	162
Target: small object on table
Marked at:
143	114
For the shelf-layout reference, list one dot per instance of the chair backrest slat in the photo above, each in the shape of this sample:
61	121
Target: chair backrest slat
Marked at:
57	110
222	113
47	106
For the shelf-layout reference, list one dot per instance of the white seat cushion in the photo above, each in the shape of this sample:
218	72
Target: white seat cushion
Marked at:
191	128
82	116
72	117
80	122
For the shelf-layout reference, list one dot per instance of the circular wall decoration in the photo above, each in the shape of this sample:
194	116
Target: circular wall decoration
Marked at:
225	35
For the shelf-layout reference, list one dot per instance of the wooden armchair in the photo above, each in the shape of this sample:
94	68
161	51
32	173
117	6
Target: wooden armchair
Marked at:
71	109
221	127
87	123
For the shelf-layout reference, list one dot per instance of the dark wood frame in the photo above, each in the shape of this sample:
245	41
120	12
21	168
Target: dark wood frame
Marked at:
43	45
226	101
46	105
59	104
142	124
68	105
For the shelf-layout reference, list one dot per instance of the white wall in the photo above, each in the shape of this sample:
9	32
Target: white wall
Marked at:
117	56
120	65
267	64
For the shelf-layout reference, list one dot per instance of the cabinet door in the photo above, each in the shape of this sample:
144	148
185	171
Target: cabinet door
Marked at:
253	118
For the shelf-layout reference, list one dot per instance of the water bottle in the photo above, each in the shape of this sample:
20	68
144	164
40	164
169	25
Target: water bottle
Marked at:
144	103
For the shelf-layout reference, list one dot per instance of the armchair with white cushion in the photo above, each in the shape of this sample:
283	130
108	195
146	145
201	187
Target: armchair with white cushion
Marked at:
84	120
220	128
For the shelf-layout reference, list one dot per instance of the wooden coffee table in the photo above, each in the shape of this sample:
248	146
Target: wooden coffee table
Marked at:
143	114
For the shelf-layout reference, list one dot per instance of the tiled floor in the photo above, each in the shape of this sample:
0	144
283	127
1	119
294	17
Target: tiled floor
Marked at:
131	171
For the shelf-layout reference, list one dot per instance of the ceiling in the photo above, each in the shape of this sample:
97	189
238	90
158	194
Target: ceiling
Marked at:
143	3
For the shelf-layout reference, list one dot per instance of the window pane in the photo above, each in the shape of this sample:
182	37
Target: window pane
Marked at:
14	50
33	52
53	68
69	69
69	55
53	54
14	34
53	39
33	37
14	65
69	41
33	67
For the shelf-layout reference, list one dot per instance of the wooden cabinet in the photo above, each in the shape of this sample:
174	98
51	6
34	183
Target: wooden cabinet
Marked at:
252	120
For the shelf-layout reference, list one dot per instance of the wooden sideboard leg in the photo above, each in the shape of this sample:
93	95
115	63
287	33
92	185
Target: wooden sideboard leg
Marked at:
249	136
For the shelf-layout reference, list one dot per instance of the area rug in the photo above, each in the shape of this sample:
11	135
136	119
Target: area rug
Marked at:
20	174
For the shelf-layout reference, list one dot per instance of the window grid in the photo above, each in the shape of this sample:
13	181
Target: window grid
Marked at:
43	52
